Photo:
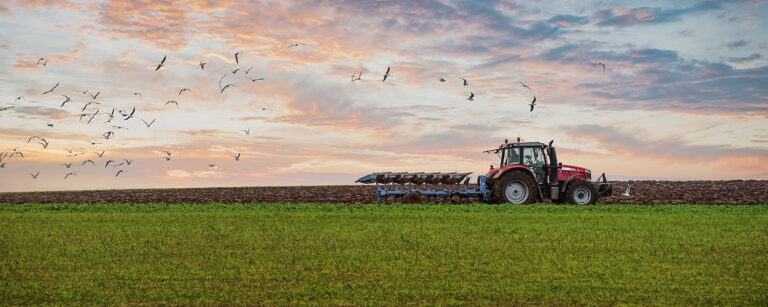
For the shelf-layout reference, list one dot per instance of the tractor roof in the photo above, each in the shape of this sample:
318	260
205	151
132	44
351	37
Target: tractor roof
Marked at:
508	145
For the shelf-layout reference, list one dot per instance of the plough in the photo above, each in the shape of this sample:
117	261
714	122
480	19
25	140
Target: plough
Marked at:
411	187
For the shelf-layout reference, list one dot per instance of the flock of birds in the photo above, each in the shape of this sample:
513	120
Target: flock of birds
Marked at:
89	115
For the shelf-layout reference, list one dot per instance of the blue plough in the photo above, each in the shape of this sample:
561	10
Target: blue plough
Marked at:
436	186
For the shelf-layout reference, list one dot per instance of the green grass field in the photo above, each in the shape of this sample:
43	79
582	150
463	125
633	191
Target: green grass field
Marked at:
383	254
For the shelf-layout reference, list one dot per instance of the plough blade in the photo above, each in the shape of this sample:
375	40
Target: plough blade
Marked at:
437	185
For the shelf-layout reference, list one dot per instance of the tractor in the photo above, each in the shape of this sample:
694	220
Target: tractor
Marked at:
524	176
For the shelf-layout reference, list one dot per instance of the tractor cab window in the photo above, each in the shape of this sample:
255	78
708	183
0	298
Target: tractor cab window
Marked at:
533	157
513	156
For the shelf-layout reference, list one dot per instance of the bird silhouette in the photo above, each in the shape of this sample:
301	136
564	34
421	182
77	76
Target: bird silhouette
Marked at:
386	74
161	63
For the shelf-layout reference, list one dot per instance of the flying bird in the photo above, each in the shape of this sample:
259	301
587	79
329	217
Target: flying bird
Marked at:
108	134
93	116
92	95
2	165
34	137
150	123
526	86
237	60
68	98
167	158
69	174
599	64
108	162
118	173
442	79
172	101
358	76
19	98
51	90
225	87
294	45
202	65
184	90
248	132
94	144
87	104
34	176
131	114
386	74
533	103
40	60
257	79
161	63
211	165
50	125
68	165
263	108
465	81
222	79
237	157
249	69
128	162
89	160
5	108
137	94
626	193
234	72
168	153
100	154
471	96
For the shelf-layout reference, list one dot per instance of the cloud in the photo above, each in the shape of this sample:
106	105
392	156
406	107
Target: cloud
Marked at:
746	59
621	17
569	20
5	11
40	112
30	61
672	151
654	56
736	44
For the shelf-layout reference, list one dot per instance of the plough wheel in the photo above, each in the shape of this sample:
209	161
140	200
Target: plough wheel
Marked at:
412	198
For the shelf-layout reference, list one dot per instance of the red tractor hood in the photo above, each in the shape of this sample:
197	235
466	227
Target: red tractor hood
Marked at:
567	171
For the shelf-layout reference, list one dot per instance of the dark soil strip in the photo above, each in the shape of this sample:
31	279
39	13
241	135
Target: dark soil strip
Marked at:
745	192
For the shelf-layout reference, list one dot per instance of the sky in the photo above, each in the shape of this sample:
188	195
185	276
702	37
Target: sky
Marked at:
683	96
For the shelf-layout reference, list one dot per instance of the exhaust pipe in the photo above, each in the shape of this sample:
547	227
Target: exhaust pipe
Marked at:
554	191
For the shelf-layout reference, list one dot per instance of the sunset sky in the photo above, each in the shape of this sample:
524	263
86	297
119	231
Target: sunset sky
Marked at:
684	93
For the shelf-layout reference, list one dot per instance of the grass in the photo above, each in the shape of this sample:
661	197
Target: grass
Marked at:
383	254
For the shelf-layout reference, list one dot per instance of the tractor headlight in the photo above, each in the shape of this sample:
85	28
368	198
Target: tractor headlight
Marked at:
589	174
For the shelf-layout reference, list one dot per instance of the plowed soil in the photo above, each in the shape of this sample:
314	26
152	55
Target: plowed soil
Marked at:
746	192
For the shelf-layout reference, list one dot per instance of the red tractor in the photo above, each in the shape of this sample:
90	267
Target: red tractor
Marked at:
525	176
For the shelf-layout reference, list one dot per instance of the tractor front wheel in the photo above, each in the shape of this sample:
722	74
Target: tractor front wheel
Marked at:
517	188
581	192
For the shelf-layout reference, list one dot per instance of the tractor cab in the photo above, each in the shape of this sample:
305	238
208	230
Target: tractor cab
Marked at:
530	155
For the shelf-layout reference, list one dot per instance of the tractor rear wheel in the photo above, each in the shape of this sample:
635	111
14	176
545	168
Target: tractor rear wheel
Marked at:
516	187
581	192
412	198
